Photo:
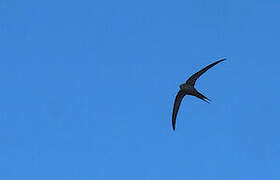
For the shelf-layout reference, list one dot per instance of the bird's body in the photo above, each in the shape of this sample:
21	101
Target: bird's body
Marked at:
189	89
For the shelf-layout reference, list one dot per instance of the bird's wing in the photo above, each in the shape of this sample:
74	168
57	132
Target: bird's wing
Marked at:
191	81
177	103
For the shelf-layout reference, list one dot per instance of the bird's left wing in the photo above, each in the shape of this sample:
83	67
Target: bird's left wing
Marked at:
177	103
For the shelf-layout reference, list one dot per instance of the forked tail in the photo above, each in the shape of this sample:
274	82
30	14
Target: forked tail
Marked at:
202	97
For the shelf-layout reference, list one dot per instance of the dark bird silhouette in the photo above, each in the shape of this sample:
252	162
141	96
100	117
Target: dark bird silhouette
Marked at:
188	89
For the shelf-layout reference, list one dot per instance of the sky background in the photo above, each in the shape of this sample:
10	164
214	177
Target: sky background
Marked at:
87	90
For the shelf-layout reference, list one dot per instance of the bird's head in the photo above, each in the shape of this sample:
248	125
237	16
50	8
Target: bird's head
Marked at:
182	86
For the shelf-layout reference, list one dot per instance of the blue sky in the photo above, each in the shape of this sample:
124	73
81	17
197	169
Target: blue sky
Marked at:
87	89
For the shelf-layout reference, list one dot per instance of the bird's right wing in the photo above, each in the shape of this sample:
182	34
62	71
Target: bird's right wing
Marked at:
191	81
177	103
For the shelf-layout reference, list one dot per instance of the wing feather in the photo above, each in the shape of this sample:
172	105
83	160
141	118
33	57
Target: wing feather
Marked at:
191	81
180	95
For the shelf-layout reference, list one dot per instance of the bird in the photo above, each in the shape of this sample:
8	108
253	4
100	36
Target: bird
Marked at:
189	89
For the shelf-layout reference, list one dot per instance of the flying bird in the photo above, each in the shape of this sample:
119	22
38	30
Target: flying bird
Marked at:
189	89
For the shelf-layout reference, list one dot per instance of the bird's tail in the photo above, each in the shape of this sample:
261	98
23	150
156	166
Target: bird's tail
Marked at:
202	97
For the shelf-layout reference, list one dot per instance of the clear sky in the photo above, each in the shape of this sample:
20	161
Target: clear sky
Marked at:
88	86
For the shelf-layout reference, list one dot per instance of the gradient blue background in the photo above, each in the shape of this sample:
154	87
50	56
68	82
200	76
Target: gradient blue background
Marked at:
87	89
